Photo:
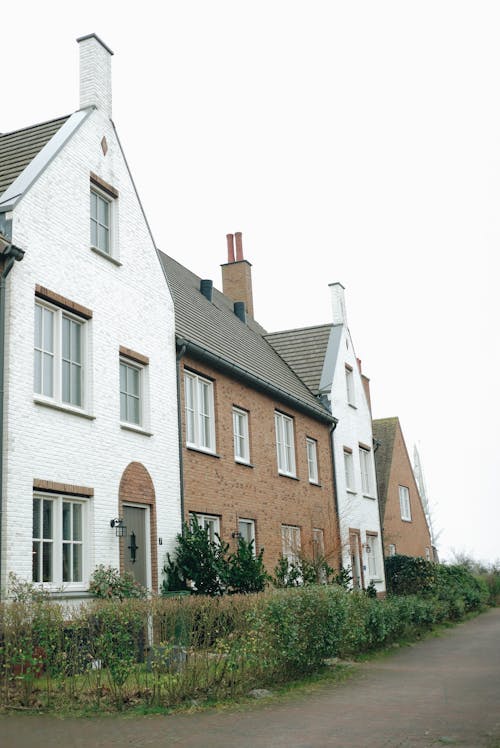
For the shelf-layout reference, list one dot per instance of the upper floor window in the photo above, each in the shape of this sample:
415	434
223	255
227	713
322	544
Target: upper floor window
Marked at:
130	393
312	460
349	380
59	355
349	469
100	221
365	460
199	401
240	435
285	444
58	540
404	503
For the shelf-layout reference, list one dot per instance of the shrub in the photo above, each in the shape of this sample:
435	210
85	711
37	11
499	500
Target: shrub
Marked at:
245	570
107	583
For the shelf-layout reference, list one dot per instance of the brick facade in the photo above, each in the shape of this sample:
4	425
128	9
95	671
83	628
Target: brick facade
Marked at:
218	485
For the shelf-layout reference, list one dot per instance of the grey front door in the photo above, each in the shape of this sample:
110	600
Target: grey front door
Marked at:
135	543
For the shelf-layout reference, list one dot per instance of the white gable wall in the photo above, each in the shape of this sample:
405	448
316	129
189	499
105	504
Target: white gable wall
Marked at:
356	509
131	307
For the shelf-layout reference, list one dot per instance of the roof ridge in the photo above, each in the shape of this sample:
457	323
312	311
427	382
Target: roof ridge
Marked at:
324	325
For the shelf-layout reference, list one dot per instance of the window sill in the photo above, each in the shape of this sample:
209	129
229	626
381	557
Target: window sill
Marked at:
243	463
106	256
368	496
351	405
63	408
61	593
315	483
287	475
135	429
201	451
351	491
403	519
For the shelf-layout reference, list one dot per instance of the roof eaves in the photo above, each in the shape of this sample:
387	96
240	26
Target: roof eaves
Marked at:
32	171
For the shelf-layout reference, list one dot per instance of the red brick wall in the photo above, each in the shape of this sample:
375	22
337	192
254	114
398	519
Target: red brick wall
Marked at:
220	486
410	538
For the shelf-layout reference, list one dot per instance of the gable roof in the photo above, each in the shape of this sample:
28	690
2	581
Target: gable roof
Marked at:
213	331
304	350
19	148
384	432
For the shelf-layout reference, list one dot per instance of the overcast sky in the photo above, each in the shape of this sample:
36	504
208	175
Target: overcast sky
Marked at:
349	141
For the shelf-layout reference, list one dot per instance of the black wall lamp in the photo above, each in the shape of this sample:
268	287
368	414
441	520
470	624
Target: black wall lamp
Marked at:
120	528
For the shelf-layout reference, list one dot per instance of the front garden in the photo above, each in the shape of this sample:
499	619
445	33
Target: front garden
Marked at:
186	648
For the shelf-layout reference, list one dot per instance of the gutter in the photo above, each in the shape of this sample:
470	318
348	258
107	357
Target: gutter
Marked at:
335	492
180	353
259	384
9	255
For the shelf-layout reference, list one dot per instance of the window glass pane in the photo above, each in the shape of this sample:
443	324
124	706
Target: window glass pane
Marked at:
77	521
47	562
133	381
123	406
38	372
76	342
103	239
36	518
48	375
66	335
36	561
38	326
77	563
66	562
48	330
76	385
103	216
133	410
66	521
47	519
93	205
66	381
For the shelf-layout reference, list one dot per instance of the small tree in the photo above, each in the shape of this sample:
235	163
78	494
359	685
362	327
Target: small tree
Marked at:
246	572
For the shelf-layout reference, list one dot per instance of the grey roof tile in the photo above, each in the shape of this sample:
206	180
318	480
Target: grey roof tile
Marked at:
384	432
214	327
304	350
19	148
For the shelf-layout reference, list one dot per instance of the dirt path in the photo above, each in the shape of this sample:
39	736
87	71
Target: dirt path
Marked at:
442	691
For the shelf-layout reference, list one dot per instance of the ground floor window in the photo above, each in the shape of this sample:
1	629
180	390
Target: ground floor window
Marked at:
210	523
246	529
58	539
372	553
290	543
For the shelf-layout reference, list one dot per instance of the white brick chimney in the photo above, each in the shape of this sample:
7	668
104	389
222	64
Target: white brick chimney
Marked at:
95	73
339	316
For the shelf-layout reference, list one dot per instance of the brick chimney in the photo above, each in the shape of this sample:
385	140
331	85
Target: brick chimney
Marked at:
339	316
95	73
237	273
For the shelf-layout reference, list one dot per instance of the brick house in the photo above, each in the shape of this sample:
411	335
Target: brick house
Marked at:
324	357
89	448
405	527
256	458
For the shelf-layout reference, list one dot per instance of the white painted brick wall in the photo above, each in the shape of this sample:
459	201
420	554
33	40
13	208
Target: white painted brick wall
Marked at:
354	427
132	307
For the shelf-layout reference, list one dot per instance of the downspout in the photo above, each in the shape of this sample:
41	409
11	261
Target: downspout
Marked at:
335	490
180	353
9	255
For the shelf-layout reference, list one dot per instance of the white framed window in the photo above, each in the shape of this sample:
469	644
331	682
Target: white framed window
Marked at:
318	544
285	444
427	553
312	460
372	555
131	392
392	549
290	543
240	436
200	422
100	221
365	461
58	540
349	470
349	382
210	523
59	348
246	529
404	503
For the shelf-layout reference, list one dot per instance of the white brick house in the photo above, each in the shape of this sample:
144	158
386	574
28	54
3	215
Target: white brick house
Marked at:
90	429
324	357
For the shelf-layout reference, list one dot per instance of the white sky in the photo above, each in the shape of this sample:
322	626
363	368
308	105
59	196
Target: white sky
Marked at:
350	141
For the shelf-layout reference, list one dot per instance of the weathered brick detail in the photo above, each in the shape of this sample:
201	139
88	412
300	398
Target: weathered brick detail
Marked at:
103	185
137	487
220	486
61	488
62	301
133	355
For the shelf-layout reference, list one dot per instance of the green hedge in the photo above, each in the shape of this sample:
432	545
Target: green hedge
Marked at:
163	651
